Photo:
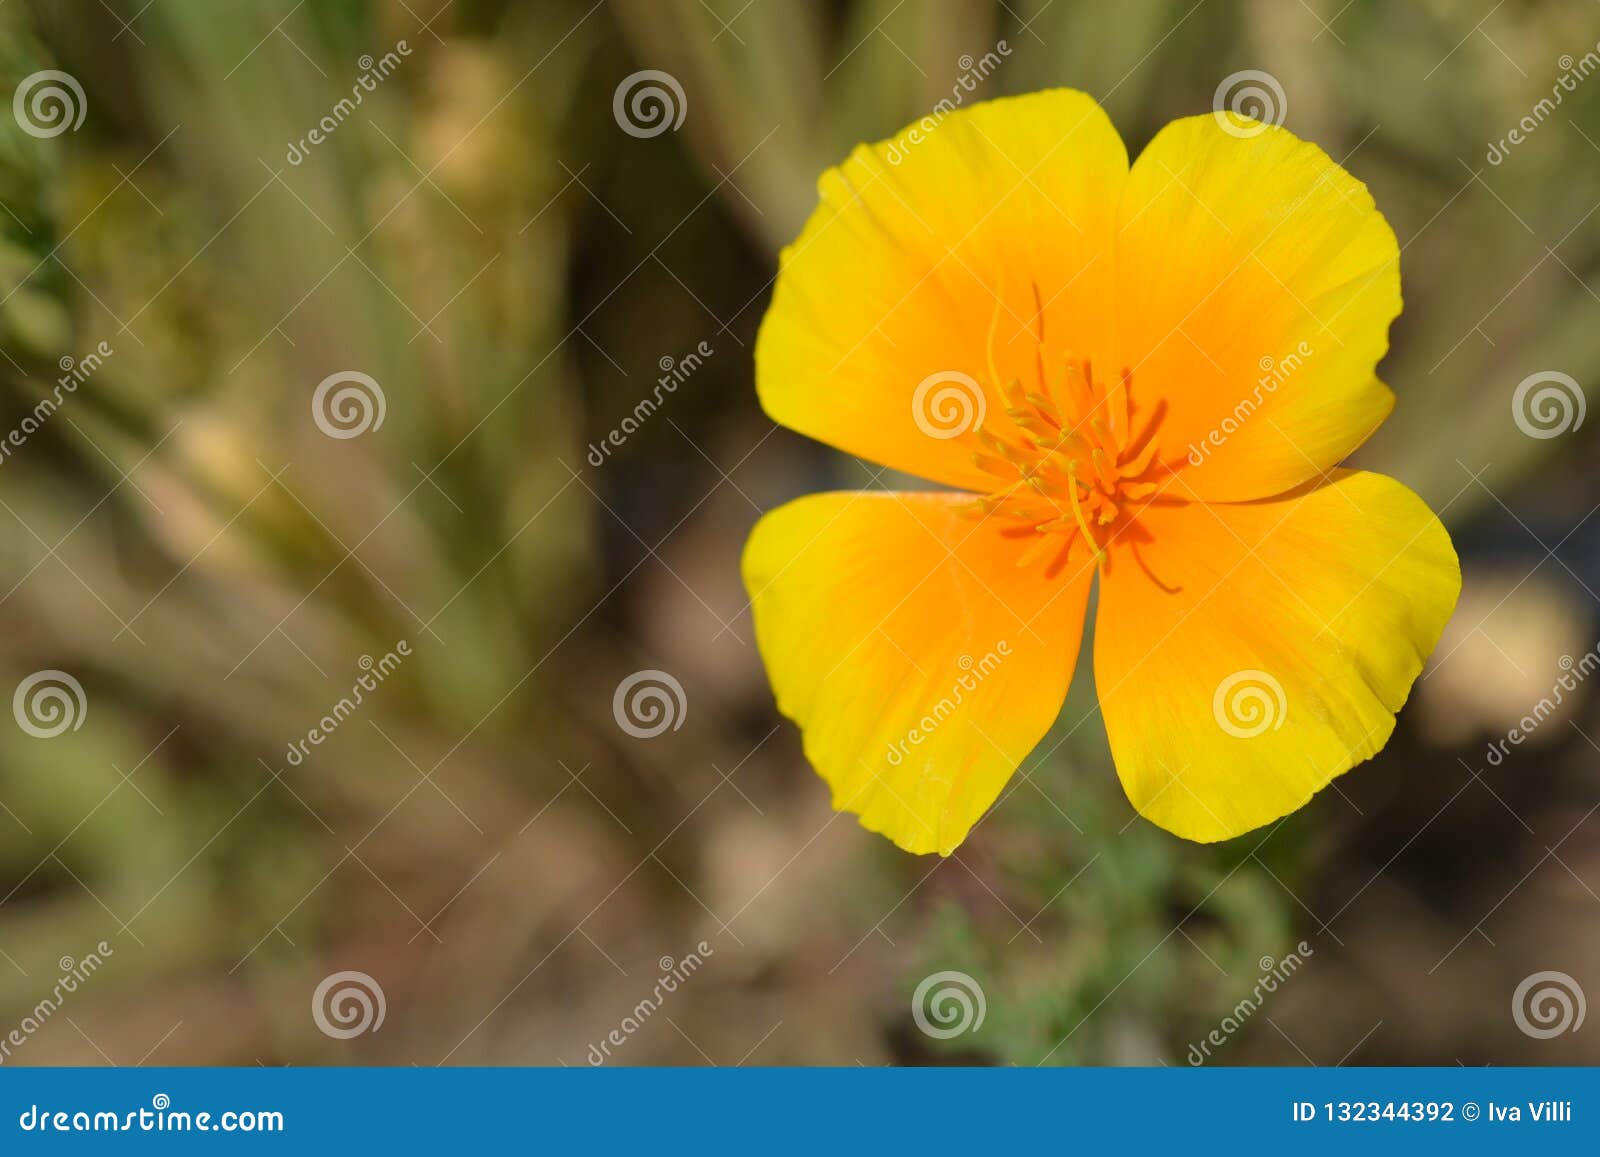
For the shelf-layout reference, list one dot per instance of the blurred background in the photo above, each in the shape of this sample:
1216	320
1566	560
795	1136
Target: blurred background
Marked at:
206	559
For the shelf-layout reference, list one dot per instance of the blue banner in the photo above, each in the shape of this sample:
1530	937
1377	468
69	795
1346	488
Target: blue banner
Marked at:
710	1111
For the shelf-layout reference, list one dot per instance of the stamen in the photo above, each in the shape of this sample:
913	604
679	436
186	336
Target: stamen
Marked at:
1071	441
989	464
1117	404
1033	422
1147	435
1148	573
1045	407
1078	393
1077	512
1016	396
994	324
1103	473
1035	549
1038	349
990	440
1139	463
1064	444
1060	560
1018	456
1021	531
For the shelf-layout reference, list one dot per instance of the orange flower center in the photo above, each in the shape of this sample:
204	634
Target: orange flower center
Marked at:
1073	468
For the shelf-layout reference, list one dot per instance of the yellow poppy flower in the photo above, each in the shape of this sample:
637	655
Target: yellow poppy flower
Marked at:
1147	373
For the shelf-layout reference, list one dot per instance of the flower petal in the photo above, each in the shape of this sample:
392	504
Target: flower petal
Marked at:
920	245
1256	281
1263	648
921	662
